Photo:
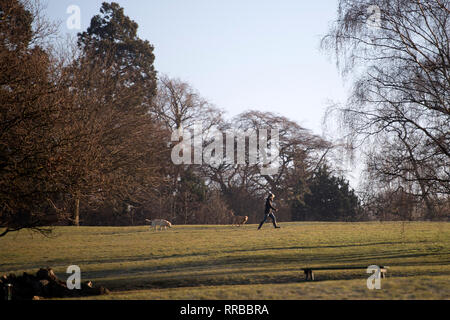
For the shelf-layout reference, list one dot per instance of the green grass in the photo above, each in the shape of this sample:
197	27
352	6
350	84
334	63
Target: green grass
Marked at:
224	262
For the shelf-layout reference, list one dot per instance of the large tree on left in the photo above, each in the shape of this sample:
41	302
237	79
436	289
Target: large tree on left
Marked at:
29	98
114	84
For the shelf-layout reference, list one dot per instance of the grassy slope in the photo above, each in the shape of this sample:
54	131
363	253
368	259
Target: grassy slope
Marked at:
224	262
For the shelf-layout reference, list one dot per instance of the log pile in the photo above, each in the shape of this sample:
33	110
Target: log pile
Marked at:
44	284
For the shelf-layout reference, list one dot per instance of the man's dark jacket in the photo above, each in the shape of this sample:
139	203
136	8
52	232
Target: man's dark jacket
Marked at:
269	206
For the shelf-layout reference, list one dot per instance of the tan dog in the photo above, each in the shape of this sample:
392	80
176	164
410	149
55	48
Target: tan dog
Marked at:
237	220
159	222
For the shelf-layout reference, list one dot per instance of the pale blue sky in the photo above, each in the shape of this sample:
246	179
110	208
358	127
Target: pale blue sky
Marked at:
240	55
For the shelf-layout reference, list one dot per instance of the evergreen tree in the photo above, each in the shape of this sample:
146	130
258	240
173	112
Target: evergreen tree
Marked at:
112	40
329	198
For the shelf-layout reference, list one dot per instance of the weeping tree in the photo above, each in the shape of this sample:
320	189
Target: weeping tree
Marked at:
397	54
284	153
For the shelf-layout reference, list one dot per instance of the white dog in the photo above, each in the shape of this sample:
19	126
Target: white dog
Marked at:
159	222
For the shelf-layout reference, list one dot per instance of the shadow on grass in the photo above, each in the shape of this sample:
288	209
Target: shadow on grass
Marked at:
264	270
302	261
276	256
146	282
57	263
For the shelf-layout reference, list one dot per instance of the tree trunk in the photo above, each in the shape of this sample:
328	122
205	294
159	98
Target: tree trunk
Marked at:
76	213
185	210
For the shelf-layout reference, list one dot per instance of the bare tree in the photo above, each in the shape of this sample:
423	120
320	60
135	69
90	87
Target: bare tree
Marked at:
73	133
179	105
114	155
399	110
245	185
31	93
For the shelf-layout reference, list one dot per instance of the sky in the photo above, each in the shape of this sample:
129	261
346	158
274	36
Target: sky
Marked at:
239	54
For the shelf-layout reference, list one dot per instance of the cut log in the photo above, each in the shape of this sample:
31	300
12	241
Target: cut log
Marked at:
44	284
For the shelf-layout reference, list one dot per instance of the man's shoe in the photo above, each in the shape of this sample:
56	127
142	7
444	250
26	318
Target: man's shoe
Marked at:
277	227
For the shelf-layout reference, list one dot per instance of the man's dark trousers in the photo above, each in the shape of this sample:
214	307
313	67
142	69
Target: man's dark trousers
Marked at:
271	216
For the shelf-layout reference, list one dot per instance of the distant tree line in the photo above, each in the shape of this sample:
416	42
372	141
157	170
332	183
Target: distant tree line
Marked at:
86	139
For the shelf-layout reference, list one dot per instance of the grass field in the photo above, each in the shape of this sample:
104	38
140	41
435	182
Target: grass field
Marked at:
224	262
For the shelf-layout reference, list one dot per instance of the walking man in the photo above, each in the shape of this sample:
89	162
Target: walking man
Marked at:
268	213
